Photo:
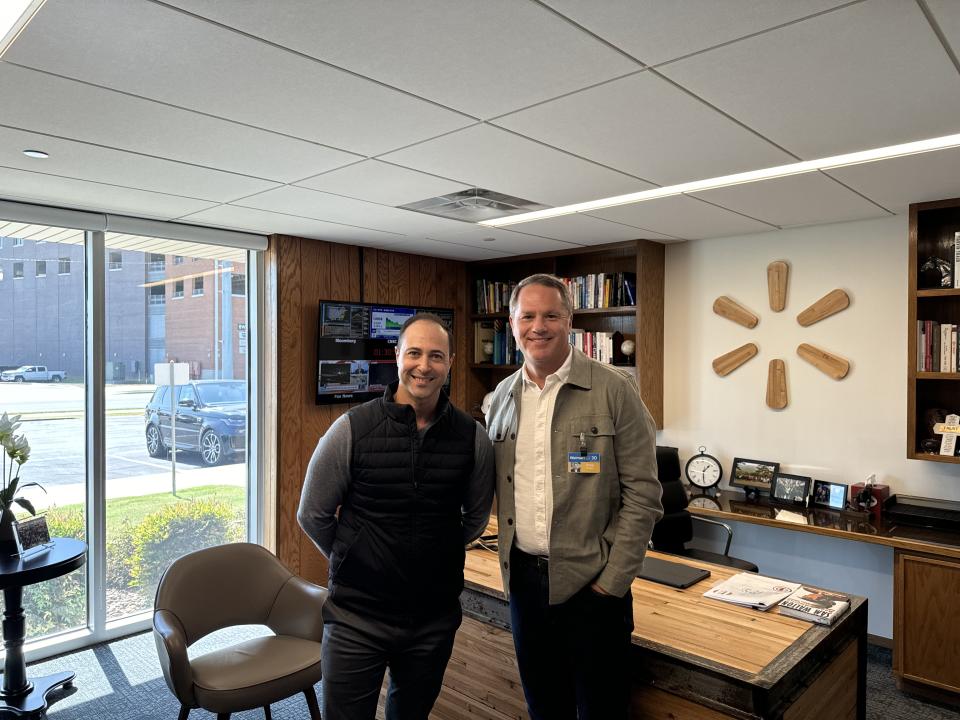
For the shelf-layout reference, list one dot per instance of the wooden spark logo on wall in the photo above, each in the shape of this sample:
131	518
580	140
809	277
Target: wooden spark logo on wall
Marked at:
832	365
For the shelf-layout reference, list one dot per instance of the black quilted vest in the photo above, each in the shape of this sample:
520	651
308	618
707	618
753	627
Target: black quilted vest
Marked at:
398	553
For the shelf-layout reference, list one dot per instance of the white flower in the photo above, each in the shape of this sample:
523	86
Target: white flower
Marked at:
7	426
18	449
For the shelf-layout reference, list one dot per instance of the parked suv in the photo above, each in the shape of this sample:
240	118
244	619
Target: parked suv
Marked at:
211	419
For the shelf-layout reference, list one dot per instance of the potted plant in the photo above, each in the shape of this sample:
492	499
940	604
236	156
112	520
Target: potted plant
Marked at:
17	449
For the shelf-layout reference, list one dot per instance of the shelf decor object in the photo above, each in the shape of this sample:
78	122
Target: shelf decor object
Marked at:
732	310
826	362
830	304
777	273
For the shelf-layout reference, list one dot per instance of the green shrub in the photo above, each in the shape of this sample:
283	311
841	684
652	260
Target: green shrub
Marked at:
60	603
175	530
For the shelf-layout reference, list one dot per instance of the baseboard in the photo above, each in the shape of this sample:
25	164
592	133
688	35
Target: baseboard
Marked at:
880	641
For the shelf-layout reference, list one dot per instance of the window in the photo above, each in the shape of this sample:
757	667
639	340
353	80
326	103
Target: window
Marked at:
41	268
18	271
64	266
156	263
1	272
178	289
1	243
238	284
197	286
158	295
18	242
178	259
116	261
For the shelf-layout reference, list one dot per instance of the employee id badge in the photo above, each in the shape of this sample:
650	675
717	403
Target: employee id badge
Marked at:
583	463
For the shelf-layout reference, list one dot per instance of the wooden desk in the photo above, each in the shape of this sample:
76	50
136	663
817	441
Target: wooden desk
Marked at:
926	584
20	695
696	659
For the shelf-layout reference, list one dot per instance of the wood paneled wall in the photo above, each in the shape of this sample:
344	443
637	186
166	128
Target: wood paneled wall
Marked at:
300	273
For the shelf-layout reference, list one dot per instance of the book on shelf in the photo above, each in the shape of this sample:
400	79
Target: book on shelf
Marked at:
751	590
493	296
815	605
937	347
602	290
956	259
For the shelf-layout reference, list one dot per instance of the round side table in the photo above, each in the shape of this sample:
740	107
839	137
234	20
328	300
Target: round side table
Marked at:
19	694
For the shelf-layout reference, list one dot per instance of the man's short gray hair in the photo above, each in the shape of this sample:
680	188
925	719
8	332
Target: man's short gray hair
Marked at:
546	280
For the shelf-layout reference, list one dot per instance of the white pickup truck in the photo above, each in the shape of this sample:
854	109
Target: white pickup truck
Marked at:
33	373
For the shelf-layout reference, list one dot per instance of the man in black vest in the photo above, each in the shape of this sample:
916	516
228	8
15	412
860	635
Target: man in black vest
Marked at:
412	477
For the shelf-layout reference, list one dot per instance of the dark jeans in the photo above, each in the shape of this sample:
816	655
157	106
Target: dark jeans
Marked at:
357	650
574	658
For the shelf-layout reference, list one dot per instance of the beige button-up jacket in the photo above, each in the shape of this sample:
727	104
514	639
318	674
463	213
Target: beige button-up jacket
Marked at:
601	522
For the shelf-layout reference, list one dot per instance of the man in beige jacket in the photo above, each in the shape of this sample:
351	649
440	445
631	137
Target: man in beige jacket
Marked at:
578	496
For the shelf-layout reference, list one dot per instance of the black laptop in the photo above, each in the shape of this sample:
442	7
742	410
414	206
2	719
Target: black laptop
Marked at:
673	574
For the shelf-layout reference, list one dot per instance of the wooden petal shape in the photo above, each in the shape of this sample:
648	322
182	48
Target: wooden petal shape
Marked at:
777	273
777	385
830	304
732	310
826	362
728	362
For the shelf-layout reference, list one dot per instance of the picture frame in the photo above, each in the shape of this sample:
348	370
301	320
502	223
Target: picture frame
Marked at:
753	509
32	533
790	489
829	495
753	475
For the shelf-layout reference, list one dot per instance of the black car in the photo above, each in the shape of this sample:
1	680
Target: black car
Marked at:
211	419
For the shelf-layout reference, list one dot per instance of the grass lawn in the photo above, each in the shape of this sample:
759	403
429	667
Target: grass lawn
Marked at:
133	509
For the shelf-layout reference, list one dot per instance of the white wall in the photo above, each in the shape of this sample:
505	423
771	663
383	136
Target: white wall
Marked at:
834	430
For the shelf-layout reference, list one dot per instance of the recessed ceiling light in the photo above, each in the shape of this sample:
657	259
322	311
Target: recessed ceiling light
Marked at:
798	168
36	154
488	239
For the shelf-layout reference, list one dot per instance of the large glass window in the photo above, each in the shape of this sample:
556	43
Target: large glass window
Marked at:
197	498
42	324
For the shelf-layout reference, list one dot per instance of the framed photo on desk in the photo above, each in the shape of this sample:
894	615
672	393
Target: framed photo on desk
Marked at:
829	495
790	489
753	475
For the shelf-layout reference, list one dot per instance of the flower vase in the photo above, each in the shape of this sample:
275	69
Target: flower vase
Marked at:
9	543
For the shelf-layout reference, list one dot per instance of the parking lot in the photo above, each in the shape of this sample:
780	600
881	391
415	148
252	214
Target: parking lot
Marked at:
52	417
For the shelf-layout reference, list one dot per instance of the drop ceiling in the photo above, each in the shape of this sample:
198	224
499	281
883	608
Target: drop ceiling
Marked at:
318	119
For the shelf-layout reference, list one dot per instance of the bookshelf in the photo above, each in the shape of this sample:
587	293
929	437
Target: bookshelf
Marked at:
933	227
642	322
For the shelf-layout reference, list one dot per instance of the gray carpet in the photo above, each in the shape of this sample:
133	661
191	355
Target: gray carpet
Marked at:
122	681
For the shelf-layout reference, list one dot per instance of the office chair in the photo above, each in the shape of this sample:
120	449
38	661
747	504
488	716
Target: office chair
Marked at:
675	528
238	584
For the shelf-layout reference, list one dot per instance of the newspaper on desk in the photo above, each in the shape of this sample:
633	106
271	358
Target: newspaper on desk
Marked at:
751	590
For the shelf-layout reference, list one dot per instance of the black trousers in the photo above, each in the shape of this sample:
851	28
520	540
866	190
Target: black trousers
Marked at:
357	650
574	658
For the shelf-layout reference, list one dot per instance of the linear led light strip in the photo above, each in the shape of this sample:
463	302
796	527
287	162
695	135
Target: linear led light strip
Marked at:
798	168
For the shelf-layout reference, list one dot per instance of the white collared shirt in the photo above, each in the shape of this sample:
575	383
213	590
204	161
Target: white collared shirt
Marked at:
532	485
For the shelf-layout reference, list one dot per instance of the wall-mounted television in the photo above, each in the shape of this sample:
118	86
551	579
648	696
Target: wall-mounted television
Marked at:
356	343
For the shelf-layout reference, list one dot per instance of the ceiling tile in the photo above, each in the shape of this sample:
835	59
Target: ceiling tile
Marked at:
654	32
484	59
116	167
795	200
451	251
585	230
268	223
647	127
36	101
382	183
160	53
683	217
861	77
505	241
898	182
339	209
491	158
947	15
84	195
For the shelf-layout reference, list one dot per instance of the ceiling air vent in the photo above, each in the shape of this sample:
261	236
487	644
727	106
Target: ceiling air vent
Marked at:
473	205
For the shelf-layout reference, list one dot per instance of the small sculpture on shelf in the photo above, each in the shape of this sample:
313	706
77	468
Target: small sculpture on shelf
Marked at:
935	273
931	441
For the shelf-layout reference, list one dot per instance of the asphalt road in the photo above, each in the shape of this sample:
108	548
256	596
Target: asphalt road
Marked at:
52	418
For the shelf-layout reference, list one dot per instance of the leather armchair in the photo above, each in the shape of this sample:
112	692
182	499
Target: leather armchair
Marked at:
238	584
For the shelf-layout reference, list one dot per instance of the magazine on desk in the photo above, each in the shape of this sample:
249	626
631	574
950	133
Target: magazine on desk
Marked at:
752	590
815	605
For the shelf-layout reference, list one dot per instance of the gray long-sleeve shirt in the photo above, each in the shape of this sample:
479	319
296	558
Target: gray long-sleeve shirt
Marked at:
328	479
